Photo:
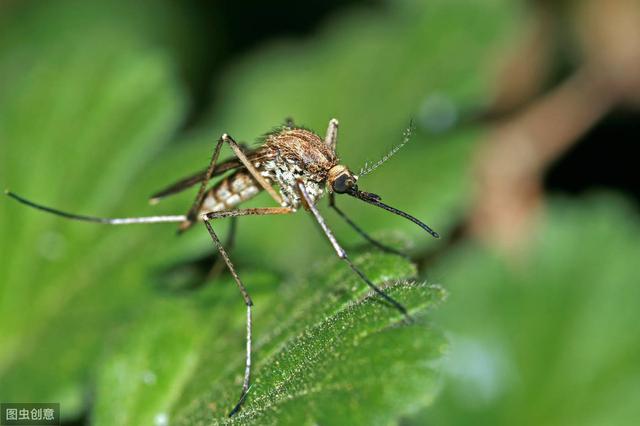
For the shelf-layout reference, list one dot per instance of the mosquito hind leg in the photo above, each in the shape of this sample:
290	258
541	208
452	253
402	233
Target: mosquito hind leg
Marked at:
342	254
363	234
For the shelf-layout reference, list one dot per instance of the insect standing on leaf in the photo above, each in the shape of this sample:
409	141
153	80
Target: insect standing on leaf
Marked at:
297	161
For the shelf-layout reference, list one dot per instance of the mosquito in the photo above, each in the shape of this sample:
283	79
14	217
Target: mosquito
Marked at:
296	161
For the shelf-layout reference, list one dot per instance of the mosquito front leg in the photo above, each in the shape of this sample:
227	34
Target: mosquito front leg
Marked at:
383	247
207	218
343	254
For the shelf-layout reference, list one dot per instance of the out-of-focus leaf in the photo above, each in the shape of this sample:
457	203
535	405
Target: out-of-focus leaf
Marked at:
552	340
80	116
326	349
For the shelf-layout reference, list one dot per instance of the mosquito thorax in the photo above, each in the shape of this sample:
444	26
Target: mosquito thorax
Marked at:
341	179
292	155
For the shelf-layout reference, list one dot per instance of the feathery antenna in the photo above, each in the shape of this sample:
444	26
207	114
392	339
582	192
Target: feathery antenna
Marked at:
406	136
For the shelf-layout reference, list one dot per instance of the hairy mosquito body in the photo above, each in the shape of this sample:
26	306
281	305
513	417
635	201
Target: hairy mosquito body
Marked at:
296	167
287	157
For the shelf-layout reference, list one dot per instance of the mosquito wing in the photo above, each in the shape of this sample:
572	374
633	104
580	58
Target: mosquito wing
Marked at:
189	181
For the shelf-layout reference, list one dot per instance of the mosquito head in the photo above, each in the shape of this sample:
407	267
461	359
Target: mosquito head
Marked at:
341	180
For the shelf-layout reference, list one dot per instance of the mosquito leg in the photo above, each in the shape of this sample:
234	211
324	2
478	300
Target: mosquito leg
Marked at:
251	168
218	263
383	247
343	254
95	219
260	211
203	186
237	150
207	218
331	139
247	301
216	269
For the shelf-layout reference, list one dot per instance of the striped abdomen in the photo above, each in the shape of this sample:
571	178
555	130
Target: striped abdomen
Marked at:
230	192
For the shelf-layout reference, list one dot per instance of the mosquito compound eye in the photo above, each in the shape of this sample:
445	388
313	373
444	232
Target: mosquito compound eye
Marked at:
343	183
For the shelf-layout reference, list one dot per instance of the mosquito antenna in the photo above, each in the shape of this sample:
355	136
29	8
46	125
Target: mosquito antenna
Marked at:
104	220
375	200
406	136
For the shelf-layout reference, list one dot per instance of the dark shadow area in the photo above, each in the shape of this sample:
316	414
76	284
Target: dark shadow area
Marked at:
247	25
607	157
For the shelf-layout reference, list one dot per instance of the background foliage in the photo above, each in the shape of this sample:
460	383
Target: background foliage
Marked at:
103	103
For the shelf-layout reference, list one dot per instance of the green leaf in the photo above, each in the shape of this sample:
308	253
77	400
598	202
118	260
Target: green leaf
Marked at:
551	339
325	348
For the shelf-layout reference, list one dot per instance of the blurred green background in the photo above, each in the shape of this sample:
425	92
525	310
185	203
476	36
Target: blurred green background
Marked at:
526	119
